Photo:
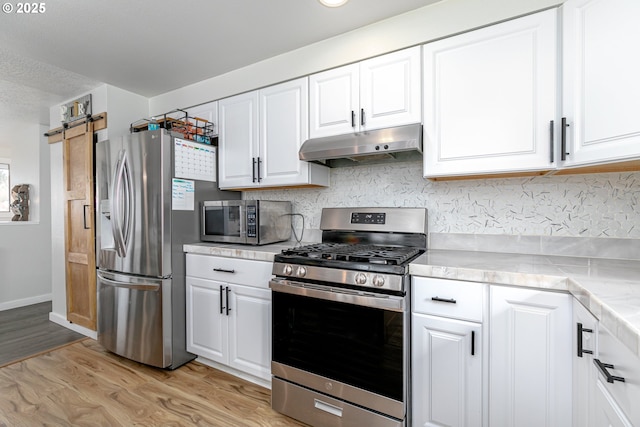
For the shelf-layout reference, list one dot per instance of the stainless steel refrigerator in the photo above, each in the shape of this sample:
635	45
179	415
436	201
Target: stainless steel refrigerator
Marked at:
149	186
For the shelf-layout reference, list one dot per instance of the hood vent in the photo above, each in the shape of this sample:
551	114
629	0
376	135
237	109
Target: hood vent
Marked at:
401	143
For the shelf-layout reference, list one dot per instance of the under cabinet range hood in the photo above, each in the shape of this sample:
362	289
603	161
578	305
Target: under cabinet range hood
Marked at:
399	143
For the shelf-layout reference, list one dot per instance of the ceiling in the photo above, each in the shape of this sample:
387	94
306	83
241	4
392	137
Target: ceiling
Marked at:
153	46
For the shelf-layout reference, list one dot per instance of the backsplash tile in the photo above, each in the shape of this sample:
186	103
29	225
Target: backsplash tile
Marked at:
589	205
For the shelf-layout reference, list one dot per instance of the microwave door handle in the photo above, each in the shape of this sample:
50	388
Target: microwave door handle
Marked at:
243	222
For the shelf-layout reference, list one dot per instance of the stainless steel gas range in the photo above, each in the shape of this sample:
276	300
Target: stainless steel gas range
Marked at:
340	354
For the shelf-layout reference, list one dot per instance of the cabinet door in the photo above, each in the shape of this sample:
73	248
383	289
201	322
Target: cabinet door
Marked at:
250	330
490	97
208	112
622	362
600	85
207	323
447	372
390	90
284	126
585	330
238	140
607	413
529	358
334	103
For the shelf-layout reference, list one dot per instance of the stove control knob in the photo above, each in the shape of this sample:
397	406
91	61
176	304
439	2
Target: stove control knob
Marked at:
301	272
287	270
361	279
378	281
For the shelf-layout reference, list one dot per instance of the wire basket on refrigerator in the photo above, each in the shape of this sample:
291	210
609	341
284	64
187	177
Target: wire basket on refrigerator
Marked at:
178	121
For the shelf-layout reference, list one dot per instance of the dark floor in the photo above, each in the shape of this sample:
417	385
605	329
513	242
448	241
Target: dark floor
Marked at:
27	331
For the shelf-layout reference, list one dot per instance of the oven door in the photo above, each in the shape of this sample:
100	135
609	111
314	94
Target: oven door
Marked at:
346	344
223	221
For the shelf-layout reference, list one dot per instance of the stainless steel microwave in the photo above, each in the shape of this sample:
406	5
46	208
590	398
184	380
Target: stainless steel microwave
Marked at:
249	222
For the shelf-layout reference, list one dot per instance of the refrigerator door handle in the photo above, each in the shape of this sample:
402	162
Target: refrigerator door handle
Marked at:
128	193
118	198
115	205
137	286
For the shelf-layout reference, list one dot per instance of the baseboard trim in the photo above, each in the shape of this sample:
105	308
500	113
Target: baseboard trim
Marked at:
229	370
62	321
25	302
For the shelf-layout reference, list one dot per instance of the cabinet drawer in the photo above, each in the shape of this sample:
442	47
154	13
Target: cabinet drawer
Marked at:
448	298
233	270
626	365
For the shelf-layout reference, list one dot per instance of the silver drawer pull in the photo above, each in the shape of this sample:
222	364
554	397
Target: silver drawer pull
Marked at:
448	300
326	407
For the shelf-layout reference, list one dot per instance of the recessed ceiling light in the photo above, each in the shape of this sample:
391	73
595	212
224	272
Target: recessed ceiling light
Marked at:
333	3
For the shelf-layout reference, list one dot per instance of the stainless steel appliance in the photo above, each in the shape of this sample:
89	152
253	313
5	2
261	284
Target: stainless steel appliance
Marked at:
148	189
251	222
340	317
400	143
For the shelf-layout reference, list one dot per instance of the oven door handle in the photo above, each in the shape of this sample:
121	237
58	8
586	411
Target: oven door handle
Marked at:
382	301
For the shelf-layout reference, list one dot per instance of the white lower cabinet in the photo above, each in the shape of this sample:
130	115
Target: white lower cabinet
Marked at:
529	358
447	353
584	351
230	323
617	383
607	412
606	376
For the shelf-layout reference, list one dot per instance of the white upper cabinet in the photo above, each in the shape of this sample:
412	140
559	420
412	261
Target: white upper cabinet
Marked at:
373	94
260	135
238	140
490	97
334	101
601	90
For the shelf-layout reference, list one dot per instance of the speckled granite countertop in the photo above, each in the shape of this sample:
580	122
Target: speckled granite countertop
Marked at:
610	289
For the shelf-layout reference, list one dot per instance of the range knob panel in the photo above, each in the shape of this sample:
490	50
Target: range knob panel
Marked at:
378	281
360	279
287	270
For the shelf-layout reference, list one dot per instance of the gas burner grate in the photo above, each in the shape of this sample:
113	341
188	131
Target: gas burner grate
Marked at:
373	254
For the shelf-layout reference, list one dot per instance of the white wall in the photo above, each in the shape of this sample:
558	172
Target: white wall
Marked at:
124	107
25	260
416	27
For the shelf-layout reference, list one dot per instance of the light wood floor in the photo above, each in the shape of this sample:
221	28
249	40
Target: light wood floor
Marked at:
84	385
